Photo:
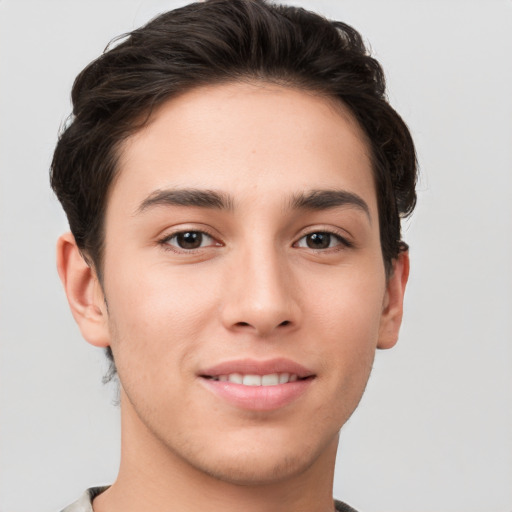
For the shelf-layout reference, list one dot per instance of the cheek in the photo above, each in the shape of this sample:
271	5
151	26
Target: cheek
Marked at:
349	303
156	313
347	314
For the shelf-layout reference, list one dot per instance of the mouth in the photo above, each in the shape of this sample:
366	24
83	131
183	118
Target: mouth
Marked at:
258	385
248	379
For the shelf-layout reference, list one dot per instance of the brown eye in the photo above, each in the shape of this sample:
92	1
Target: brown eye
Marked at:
189	240
322	240
318	240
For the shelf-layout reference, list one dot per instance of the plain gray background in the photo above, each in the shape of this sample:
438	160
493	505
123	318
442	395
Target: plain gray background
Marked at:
434	430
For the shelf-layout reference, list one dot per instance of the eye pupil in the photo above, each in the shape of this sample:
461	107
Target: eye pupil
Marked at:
189	239
318	240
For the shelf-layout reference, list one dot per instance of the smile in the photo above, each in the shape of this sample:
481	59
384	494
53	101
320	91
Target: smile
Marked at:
271	379
258	385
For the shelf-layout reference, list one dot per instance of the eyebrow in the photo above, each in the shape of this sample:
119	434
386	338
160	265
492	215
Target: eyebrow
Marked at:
187	197
327	199
312	200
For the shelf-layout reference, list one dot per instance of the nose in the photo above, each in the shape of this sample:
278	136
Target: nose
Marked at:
261	296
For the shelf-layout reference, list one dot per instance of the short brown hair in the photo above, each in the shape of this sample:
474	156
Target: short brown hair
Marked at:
220	41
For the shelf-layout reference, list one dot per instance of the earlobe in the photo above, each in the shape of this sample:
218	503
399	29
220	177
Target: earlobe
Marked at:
83	291
393	302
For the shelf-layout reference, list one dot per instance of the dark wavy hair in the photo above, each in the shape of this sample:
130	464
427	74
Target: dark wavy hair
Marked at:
220	41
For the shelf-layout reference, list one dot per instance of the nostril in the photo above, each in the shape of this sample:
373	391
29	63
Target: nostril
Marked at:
242	324
286	322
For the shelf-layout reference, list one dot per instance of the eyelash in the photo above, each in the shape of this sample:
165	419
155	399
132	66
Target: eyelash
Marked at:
343	243
164	242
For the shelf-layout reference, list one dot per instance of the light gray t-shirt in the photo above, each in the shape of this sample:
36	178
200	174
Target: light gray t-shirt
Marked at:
84	504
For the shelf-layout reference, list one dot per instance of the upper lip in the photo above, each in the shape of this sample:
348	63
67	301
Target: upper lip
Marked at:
257	367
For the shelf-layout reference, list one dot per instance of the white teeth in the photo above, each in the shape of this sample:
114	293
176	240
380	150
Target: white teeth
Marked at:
284	378
252	380
271	379
237	378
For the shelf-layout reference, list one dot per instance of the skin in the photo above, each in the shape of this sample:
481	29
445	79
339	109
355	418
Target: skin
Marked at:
253	289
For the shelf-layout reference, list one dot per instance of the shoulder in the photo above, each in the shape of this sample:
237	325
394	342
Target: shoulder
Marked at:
84	503
343	507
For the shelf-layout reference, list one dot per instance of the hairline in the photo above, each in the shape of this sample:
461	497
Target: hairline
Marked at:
144	119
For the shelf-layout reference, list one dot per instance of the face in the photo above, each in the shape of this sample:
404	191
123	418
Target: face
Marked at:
244	279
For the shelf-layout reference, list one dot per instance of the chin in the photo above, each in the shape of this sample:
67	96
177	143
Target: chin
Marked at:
247	471
262	463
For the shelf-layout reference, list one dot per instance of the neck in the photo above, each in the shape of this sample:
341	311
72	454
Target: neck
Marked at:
153	477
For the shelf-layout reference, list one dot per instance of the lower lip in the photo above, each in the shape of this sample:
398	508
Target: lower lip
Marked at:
258	398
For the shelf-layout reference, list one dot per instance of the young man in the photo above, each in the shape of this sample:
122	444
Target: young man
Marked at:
234	179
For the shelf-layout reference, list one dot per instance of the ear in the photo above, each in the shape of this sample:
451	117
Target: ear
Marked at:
392	311
84	292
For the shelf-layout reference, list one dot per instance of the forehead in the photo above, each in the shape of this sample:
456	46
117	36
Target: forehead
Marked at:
247	139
